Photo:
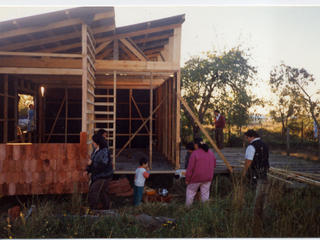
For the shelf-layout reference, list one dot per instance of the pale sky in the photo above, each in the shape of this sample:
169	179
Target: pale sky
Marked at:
289	33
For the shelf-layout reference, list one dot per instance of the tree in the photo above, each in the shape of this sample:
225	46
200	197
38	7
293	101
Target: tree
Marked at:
284	105
208	81
297	81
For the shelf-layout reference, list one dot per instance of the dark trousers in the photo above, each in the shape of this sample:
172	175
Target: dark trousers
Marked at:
137	195
218	132
99	189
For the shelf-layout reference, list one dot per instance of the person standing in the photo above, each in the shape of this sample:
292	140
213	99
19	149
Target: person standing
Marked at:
142	173
257	158
100	167
31	118
190	149
200	171
219	123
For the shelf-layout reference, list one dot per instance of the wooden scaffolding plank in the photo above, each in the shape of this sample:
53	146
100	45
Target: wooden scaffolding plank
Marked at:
205	132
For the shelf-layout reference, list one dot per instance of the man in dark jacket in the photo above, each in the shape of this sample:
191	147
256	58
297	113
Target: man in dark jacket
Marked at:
257	158
219	123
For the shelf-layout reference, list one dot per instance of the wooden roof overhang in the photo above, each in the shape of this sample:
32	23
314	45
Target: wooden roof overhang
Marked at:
47	48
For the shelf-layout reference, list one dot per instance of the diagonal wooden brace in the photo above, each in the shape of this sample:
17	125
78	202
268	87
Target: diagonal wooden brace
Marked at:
205	132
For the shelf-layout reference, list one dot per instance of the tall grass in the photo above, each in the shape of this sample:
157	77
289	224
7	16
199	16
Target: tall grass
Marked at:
289	213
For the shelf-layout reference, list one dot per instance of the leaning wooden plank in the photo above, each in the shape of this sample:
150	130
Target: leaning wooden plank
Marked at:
205	132
281	179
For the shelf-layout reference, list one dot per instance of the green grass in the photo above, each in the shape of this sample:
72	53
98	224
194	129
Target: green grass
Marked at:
228	214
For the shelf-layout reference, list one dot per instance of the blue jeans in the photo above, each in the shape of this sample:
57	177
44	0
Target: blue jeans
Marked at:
137	195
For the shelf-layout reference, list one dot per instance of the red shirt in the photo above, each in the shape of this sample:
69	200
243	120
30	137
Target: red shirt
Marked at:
201	166
221	121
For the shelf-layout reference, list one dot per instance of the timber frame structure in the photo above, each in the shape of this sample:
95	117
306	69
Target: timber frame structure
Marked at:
125	80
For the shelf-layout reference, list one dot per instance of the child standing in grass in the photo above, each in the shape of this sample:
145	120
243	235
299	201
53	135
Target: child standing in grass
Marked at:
142	173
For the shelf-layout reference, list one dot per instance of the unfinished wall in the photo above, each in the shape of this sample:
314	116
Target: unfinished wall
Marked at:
42	168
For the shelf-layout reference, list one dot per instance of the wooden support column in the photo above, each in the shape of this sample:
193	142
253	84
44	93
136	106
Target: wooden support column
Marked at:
178	117
130	113
115	50
5	109
16	111
84	78
174	121
66	119
169	119
41	117
150	123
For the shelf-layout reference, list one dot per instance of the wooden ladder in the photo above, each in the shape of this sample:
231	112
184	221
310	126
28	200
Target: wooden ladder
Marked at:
105	115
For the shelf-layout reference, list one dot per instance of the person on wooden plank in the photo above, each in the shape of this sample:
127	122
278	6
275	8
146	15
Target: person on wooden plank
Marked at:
31	118
219	123
200	171
257	158
100	167
142	173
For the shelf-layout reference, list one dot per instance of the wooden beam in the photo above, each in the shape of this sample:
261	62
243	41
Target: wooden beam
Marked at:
5	109
205	132
84	73
32	54
109	65
104	15
150	122
44	71
129	53
103	29
32	62
140	32
54	25
116	50
177	79
133	49
22	45
137	48
61	48
102	46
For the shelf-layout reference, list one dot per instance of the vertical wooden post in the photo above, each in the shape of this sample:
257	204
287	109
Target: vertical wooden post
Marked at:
169	119
115	49
150	123
5	110
178	138
288	141
84	78
66	119
16	111
130	113
114	116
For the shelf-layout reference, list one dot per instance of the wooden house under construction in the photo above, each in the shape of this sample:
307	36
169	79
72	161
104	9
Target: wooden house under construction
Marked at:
86	74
